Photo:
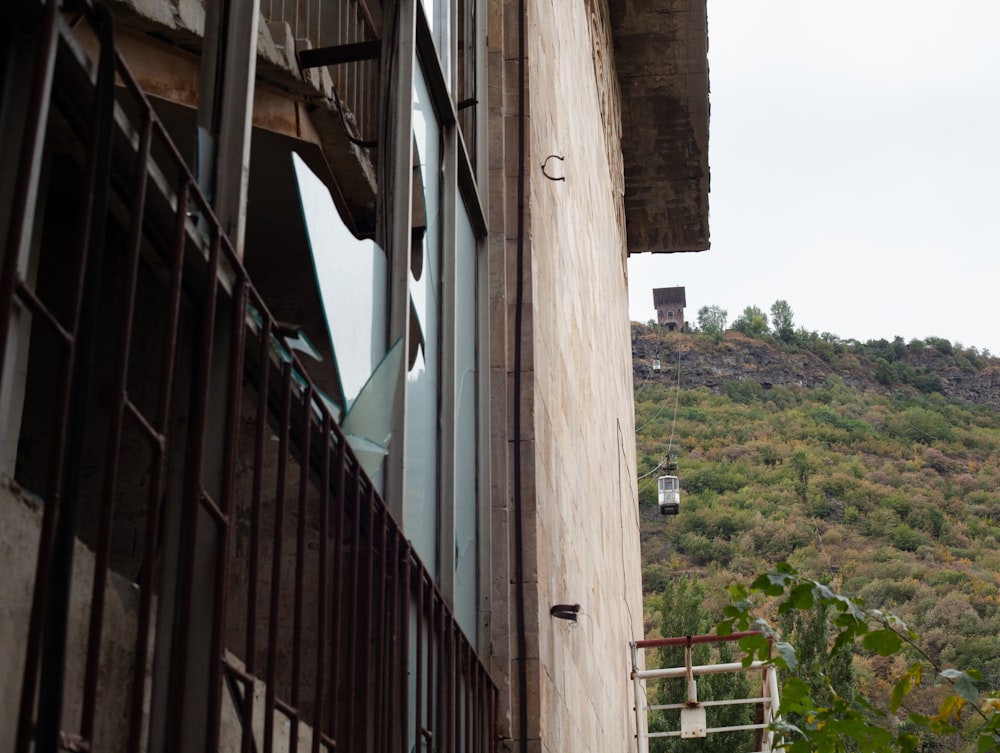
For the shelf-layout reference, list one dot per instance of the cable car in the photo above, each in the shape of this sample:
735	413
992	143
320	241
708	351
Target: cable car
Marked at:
656	364
669	488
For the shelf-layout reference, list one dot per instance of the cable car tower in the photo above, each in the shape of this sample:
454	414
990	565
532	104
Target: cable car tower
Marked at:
694	721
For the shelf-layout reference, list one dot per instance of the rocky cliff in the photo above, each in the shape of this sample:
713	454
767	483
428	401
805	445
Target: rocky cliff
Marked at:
713	362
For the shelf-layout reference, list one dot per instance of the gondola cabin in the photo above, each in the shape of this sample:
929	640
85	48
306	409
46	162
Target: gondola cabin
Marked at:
669	488
656	364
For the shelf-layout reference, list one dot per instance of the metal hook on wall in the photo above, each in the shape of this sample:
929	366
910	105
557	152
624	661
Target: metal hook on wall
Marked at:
546	162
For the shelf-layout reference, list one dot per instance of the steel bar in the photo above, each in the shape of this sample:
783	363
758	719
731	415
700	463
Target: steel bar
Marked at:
270	698
339	54
320	719
226	508
193	491
147	572
692	639
114	434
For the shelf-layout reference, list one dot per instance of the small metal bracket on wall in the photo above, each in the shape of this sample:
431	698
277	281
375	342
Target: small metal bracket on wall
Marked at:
565	611
546	162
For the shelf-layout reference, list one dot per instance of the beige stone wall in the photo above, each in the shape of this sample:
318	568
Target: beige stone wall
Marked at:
580	511
587	515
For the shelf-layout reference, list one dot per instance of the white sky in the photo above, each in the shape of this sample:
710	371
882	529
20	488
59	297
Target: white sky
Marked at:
855	158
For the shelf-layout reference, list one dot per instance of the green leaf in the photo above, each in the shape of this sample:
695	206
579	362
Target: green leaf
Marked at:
884	642
724	628
965	686
786	652
755	644
800	597
899	691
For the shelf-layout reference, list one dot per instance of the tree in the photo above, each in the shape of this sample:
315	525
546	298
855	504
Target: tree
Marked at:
712	320
830	721
781	319
752	322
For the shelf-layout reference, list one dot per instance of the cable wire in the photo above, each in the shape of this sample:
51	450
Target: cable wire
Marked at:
673	423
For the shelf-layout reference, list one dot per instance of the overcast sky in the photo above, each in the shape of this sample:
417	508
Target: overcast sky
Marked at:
855	158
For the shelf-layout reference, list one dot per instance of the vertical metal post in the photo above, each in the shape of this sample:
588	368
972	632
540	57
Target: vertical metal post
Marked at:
92	243
225	107
640	707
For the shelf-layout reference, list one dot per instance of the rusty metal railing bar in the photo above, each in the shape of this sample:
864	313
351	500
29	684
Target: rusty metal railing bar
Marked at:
300	551
226	507
260	427
366	596
381	614
350	739
256	493
193	490
90	249
133	412
419	700
114	435
338	577
270	696
147	575
324	562
401	644
694	639
213	509
36	306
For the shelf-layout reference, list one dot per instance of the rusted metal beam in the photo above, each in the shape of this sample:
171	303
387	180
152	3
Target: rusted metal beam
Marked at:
339	54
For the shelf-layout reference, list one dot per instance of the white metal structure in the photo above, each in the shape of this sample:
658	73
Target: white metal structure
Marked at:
693	722
669	489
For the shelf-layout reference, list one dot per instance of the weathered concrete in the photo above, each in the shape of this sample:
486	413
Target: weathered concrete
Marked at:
19	535
661	52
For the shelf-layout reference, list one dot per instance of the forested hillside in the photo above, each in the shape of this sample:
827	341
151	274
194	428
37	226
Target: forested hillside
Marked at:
872	466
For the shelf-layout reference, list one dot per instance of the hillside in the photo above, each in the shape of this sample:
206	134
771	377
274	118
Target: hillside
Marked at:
874	466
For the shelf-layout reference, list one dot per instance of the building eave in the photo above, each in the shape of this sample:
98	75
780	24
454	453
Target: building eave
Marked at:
661	55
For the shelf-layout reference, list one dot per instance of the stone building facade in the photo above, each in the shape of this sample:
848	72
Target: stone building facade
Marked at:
316	424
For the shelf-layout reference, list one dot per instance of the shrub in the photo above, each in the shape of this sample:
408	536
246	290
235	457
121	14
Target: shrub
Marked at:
906	539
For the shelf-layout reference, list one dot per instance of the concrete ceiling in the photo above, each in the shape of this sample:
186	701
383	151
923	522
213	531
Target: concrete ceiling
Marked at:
661	54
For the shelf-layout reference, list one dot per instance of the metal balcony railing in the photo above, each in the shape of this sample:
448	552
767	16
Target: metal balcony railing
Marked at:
270	599
348	32
693	721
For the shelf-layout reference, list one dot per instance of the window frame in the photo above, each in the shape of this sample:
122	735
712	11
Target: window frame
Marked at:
415	46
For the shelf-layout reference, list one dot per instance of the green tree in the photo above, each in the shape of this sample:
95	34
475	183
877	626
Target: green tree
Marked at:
682	612
802	467
782	321
712	320
752	322
832	721
830	676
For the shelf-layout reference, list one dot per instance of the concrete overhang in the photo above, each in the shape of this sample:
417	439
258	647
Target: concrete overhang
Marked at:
661	54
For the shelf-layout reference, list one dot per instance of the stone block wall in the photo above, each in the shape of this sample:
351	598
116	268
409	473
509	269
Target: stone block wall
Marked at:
581	527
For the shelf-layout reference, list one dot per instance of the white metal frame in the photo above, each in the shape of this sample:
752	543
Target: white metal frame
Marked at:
769	696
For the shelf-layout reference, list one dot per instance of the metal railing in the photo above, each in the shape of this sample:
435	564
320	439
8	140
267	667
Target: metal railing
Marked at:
349	33
271	597
693	720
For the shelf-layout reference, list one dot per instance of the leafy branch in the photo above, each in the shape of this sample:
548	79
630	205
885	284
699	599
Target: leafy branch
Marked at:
847	724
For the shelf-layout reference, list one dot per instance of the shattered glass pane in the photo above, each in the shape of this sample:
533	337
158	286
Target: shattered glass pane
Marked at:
352	284
368	423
